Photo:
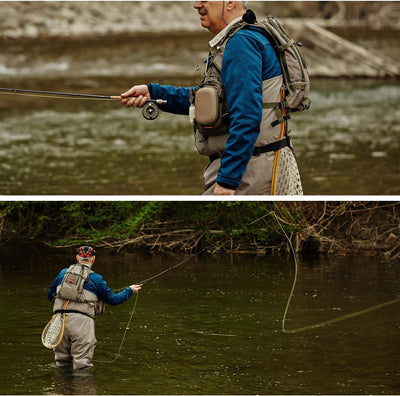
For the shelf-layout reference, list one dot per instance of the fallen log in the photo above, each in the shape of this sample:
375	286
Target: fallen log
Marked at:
329	55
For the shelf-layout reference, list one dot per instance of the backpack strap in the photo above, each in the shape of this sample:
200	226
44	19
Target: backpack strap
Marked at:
278	106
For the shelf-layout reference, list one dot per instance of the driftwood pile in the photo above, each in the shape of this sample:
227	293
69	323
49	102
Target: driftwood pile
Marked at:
364	228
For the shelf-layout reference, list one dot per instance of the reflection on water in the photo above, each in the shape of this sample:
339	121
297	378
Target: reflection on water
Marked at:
213	326
346	144
67	382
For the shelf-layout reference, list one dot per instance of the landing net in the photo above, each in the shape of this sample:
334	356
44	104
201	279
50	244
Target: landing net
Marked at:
53	332
286	174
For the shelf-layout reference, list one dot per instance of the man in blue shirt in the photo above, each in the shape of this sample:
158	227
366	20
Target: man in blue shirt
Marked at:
80	293
245	65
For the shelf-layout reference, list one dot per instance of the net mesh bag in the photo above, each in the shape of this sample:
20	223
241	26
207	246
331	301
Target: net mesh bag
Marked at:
53	332
286	174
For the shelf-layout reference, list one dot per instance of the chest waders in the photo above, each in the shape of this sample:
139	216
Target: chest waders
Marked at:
209	108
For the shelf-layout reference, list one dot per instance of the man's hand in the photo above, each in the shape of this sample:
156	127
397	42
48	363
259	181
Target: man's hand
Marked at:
218	190
135	288
136	96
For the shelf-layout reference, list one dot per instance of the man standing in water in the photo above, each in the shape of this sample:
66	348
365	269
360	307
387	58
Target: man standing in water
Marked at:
80	293
246	75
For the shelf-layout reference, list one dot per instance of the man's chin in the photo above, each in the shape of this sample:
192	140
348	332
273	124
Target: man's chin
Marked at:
204	22
205	26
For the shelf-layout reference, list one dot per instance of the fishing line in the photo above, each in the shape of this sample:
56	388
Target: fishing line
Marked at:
295	273
326	322
118	354
162	273
344	317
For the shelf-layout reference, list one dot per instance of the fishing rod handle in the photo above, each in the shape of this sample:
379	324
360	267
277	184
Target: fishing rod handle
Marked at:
159	102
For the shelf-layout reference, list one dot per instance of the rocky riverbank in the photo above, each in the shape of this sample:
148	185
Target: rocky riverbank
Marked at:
35	19
328	55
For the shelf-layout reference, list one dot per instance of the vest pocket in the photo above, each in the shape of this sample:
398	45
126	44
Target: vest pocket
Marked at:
207	108
69	292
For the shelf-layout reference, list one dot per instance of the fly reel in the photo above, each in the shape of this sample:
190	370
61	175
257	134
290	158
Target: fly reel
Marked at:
150	109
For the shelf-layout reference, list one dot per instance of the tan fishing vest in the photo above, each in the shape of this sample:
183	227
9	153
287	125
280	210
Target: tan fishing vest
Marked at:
211	140
71	289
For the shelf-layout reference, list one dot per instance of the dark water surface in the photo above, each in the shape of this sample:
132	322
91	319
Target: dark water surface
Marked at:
212	326
348	143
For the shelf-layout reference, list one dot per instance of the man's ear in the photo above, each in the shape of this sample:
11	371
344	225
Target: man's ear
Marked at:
230	5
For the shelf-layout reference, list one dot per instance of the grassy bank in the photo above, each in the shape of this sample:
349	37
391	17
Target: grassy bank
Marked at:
327	227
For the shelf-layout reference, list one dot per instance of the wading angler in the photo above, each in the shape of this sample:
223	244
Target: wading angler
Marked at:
79	294
254	78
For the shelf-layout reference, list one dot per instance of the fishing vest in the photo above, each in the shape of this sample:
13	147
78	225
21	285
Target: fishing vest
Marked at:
209	108
71	288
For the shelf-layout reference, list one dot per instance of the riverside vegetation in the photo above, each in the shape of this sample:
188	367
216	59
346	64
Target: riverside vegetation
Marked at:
328	227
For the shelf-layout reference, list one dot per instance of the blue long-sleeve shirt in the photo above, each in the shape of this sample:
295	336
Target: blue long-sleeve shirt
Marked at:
248	60
97	285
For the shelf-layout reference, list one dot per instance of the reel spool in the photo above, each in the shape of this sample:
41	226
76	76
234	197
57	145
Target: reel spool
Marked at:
150	111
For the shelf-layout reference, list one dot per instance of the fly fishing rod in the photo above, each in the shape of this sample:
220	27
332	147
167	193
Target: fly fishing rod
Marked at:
150	109
199	252
151	278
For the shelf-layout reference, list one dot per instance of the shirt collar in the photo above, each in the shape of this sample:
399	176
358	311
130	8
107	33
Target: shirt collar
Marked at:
83	264
223	32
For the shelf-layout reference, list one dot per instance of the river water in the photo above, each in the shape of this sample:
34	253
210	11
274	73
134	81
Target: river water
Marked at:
211	326
348	143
